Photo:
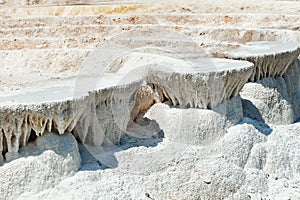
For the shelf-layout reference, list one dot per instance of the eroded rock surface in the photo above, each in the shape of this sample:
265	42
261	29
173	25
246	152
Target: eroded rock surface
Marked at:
198	83
270	58
145	117
40	166
242	164
279	103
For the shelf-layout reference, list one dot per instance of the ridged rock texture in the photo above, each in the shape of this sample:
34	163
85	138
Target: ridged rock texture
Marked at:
92	117
105	99
270	58
281	95
181	100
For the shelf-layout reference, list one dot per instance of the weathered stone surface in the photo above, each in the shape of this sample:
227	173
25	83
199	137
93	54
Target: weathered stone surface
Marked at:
150	7
196	126
77	103
199	153
270	58
62	110
292	81
42	24
40	165
241	164
279	103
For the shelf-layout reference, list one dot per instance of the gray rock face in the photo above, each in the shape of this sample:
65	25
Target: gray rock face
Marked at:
292	81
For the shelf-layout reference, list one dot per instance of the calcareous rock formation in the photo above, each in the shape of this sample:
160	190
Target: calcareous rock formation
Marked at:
184	100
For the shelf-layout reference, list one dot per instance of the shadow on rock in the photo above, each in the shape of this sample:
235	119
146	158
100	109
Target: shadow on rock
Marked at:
253	116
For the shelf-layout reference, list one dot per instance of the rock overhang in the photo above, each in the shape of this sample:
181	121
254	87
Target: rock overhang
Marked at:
216	83
61	110
243	162
200	83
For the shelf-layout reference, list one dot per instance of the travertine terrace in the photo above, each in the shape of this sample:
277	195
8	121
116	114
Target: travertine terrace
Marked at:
221	77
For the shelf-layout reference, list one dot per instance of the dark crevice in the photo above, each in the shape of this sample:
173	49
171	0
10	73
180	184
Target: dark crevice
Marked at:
54	127
32	136
4	144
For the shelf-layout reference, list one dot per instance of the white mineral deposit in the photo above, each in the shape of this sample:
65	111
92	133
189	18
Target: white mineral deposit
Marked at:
150	100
